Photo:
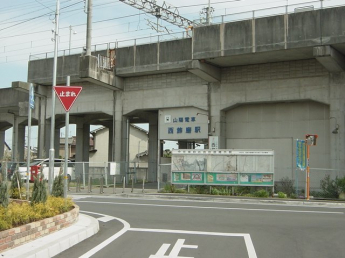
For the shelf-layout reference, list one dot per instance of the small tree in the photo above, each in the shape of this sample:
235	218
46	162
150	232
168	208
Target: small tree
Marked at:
16	186
58	187
39	192
329	187
3	194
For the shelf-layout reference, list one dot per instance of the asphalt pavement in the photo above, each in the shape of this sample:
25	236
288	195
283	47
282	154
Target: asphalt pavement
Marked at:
86	226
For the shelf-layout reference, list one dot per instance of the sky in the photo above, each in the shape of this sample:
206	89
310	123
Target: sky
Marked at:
27	26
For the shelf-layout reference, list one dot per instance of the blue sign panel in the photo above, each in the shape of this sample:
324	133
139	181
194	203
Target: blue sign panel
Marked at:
31	97
301	154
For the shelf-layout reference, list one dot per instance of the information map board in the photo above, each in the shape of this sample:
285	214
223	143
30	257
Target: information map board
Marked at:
223	167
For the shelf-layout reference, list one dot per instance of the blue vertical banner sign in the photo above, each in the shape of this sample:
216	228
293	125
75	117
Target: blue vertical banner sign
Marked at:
31	97
301	154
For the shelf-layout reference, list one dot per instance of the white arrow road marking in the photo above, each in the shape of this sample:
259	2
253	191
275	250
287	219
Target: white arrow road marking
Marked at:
174	252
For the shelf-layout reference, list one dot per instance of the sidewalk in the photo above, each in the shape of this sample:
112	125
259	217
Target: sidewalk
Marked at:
87	226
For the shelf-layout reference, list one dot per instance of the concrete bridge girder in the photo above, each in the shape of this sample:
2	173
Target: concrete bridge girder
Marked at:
330	58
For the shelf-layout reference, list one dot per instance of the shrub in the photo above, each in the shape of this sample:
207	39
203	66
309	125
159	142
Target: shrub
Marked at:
329	187
242	190
17	214
199	189
281	195
3	194
214	191
285	185
39	192
261	193
17	189
169	188
58	187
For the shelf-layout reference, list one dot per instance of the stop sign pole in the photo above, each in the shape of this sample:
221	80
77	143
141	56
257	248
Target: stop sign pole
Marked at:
67	96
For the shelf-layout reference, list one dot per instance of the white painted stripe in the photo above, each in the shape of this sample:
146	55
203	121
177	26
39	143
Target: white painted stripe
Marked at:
213	208
99	247
247	238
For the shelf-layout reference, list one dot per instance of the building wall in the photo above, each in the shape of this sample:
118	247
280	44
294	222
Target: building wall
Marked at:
138	142
101	141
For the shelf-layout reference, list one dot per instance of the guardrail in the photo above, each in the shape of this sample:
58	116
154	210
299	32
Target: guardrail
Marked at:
272	11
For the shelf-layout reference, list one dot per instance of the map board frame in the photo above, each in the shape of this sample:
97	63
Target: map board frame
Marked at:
223	167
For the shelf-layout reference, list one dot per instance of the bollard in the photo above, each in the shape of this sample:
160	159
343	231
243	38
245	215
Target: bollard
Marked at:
90	184
114	189
132	184
77	188
101	185
143	185
188	188
124	182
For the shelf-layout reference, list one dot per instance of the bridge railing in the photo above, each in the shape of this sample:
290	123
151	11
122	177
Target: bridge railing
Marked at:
272	11
116	44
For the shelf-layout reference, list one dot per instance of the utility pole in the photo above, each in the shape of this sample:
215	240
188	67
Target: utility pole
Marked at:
52	129
89	28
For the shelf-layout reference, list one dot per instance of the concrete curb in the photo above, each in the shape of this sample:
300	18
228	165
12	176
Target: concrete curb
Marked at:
194	197
57	242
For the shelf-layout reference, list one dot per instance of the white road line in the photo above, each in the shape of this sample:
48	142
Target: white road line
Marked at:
99	247
213	208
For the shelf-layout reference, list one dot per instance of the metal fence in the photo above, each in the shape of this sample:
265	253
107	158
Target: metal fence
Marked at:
272	11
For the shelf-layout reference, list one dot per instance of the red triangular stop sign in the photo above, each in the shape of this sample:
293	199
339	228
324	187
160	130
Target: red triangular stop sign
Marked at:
67	95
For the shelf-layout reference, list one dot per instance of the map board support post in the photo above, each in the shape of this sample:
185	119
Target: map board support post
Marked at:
68	83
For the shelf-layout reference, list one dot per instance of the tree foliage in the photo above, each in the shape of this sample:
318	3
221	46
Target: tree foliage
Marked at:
58	187
16	186
4	194
39	192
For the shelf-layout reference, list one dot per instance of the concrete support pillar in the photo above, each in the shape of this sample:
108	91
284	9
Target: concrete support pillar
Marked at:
153	148
2	144
218	128
57	142
41	136
21	142
337	120
120	138
14	138
110	144
83	142
82	148
44	153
